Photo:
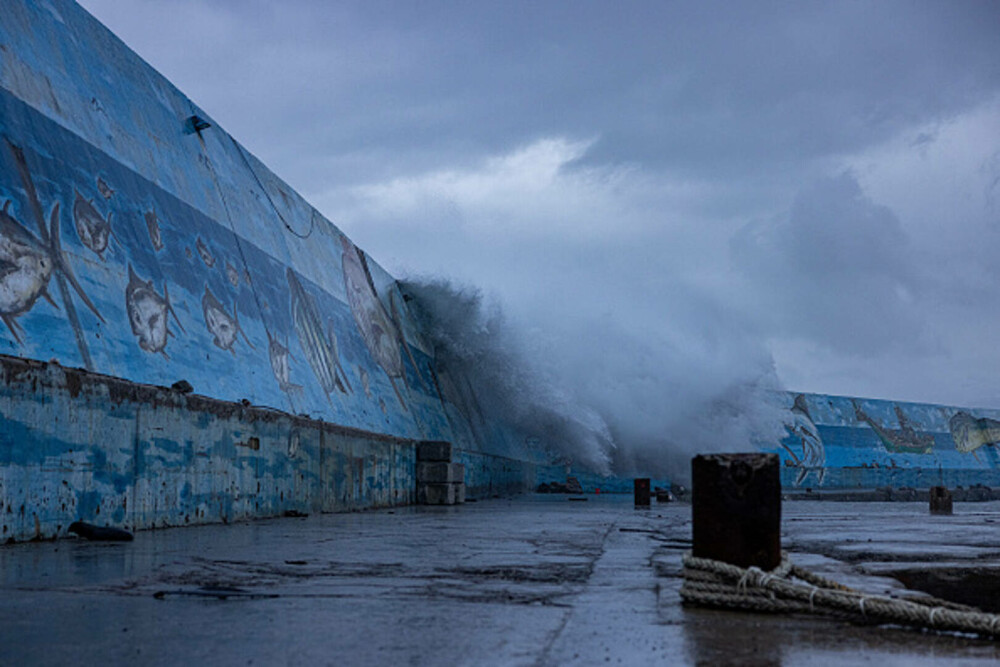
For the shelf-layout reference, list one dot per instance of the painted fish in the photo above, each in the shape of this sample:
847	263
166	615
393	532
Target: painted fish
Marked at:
223	326
319	346
378	330
206	256
104	188
26	265
904	440
233	275
93	230
813	458
147	313
280	365
970	433
153	227
365	381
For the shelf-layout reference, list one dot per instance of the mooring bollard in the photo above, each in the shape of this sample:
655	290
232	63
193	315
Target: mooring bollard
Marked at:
641	486
736	509
940	500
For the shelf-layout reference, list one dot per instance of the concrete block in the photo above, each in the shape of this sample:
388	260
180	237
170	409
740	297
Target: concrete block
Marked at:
440	473
434	450
736	509
437	494
460	493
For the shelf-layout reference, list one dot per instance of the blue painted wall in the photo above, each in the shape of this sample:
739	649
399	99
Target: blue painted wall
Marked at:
138	244
844	442
150	252
82	446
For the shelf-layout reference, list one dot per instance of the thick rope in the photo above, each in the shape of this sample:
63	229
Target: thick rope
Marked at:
716	584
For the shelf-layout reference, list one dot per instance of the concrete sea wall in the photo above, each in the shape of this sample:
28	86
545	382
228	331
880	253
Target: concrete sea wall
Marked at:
149	251
140	243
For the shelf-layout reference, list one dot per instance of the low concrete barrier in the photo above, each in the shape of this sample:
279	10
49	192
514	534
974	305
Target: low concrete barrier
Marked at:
80	446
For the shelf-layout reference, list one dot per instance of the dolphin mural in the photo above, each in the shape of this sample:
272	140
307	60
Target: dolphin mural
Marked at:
813	458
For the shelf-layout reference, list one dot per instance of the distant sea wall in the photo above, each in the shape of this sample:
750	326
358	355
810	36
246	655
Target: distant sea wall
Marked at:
141	244
840	442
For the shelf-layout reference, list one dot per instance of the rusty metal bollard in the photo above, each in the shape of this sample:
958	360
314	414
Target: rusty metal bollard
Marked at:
641	486
940	500
736	509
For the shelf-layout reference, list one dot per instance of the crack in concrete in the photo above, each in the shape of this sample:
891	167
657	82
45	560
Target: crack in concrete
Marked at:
557	633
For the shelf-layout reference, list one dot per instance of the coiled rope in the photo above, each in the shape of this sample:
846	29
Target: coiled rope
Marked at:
792	589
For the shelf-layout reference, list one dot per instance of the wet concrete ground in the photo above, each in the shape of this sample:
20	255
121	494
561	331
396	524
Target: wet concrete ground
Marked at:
536	580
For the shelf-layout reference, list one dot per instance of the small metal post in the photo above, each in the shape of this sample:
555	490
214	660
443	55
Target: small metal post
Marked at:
642	492
736	509
941	502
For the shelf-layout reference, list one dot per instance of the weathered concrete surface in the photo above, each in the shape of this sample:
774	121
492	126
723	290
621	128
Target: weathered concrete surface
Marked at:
535	581
81	446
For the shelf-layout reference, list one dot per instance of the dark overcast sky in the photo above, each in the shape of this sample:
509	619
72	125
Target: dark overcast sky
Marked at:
687	191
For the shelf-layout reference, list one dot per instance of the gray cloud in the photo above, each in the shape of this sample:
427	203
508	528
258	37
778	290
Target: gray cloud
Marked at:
375	89
837	270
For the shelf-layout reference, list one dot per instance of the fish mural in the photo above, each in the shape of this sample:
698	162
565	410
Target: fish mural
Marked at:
379	331
970	433
904	440
203	252
93	230
27	263
319	345
147	313
104	188
153	227
813	458
223	326
280	365
233	275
